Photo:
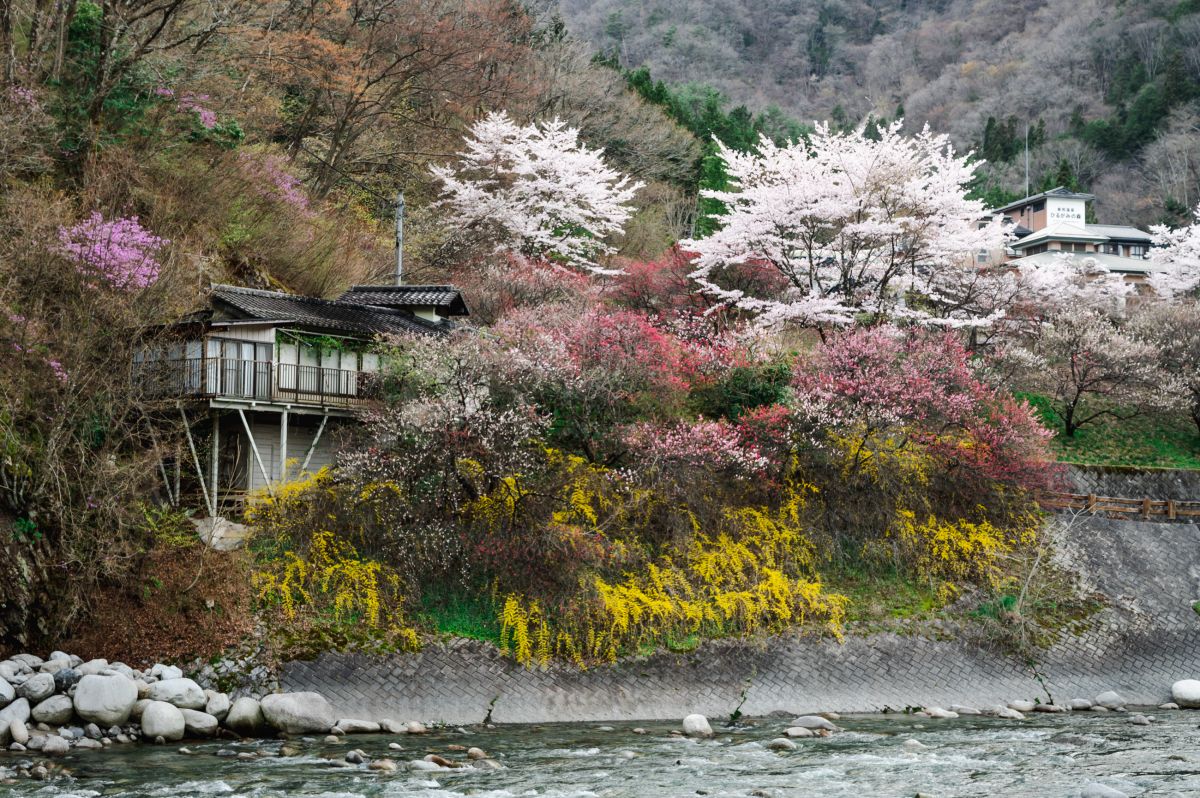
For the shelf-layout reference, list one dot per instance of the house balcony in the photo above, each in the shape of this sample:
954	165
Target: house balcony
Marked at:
254	382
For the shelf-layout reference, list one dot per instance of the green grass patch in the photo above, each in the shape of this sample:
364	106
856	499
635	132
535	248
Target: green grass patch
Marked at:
881	596
1149	441
460	615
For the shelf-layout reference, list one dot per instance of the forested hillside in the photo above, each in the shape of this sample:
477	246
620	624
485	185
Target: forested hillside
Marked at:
1108	87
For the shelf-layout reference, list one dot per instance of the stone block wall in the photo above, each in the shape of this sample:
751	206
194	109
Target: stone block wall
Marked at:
1147	637
1135	483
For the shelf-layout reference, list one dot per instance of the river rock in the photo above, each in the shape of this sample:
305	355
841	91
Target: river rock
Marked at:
961	710
65	679
53	666
491	764
161	719
1097	790
1109	700
36	688
1020	705
1139	720
30	661
355	757
415	727
105	699
938	712
55	746
351	726
7	693
914	745
697	726
1049	708
781	744
199	724
1169	705
183	693
93	667
55	710
393	726
246	716
799	731
17	710
139	707
217	705
18	732
814	722
476	753
383	766
164	672
9	670
421	764
298	713
1009	713
86	744
1079	704
1186	693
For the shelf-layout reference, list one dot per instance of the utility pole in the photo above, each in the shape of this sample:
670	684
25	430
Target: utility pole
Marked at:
399	238
1026	159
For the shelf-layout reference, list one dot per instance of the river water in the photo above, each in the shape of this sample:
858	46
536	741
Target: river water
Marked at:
1045	756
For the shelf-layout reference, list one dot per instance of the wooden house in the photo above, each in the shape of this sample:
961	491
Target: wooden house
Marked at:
260	379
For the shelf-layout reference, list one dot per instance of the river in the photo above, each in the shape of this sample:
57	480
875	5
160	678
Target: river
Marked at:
1046	756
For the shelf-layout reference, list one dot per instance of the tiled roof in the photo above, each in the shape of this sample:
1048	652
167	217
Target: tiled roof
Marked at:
1054	192
337	316
399	296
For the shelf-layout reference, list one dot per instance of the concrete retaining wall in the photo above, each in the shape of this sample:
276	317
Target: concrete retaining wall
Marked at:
1145	639
1134	483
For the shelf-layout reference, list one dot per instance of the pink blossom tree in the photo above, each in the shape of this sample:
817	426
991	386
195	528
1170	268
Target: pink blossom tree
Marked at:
119	252
854	225
1176	260
536	189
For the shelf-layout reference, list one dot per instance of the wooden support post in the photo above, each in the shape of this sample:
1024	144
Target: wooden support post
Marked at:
254	450
1146	508
178	472
313	446
187	428
283	446
1171	509
215	465
1091	502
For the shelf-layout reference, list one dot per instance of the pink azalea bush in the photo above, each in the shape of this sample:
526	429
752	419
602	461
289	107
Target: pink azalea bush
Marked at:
271	178
120	252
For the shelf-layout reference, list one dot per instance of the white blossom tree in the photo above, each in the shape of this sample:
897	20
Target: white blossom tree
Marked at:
1176	259
537	190
855	225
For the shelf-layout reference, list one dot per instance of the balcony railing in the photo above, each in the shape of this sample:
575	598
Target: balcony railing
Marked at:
258	380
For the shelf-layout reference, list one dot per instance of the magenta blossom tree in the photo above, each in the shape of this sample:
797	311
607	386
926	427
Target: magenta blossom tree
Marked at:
120	252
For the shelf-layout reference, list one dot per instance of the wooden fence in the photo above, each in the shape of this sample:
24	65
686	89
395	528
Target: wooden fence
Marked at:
1169	509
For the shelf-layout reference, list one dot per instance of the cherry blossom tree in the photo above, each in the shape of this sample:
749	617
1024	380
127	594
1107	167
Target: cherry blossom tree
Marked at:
1177	259
1173	329
536	189
1091	369
855	225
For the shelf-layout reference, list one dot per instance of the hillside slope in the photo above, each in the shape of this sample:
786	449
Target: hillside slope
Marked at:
1107	78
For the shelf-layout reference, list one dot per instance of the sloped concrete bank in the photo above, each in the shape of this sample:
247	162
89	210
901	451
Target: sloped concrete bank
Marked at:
1147	638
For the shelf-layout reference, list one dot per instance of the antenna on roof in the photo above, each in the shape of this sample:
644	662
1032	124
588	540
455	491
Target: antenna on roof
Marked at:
1026	159
399	238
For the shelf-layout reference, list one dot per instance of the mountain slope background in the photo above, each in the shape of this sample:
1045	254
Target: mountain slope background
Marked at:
1107	88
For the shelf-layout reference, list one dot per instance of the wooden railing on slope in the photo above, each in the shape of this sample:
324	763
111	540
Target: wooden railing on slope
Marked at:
1170	509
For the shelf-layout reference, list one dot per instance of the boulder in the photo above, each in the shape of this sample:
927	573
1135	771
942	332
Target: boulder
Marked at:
37	687
53	666
139	707
799	731
1050	708
30	661
351	726
17	710
18	732
93	667
383	766
1186	693
7	693
961	710
1109	700
938	712
1021	705
55	746
218	704
914	745
1009	713
160	719
199	724
55	710
105	699
781	744
697	726
1169	705
1079	704
10	670
183	693
165	672
65	679
298	713
814	722
415	727
392	726
246	717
